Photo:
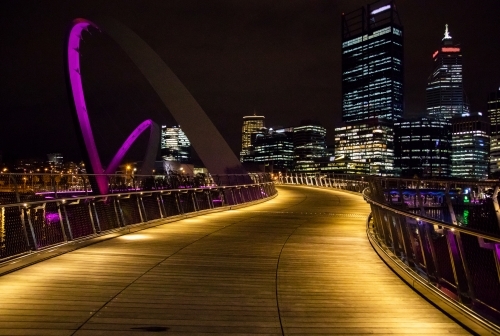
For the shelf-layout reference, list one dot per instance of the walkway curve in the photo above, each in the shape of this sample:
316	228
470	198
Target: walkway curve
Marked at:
218	274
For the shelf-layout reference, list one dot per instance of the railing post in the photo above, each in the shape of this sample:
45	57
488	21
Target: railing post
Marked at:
495	205
67	222
195	201
397	235
457	266
24	214
178	203
160	203
432	250
419	199
242	194
470	283
117	212
59	204
222	197
138	200
232	195
120	210
379	223
450	205
91	218
496	252
406	240
141	198
423	242
96	216
32	229
208	195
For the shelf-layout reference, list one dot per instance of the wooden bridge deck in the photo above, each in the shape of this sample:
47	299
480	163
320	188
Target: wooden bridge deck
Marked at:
298	264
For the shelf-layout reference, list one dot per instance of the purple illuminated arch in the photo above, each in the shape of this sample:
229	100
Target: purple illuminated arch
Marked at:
83	118
206	140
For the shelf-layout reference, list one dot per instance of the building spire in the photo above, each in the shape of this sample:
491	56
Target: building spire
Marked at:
446	33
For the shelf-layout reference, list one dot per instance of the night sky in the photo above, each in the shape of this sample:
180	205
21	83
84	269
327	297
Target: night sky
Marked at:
280	58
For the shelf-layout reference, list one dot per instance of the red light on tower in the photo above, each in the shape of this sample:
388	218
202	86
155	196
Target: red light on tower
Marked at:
450	49
435	54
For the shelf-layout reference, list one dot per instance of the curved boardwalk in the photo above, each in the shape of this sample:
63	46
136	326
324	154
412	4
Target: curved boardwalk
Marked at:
298	264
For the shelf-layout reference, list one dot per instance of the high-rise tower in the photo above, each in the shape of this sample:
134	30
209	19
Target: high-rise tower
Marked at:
309	146
470	146
445	93
494	116
372	63
372	84
175	145
252	125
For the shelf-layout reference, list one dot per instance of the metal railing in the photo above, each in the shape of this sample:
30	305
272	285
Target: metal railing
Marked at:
20	187
459	260
40	222
445	233
353	183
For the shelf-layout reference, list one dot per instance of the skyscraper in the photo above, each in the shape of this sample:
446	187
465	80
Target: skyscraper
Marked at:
309	147
470	146
423	147
372	83
371	142
275	149
252	125
372	63
175	146
445	94
494	116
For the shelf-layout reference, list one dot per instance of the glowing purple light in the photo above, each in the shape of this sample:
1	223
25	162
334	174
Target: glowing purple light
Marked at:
80	25
115	162
52	217
380	10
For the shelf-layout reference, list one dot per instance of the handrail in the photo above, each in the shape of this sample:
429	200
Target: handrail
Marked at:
452	227
26	227
92	197
17	187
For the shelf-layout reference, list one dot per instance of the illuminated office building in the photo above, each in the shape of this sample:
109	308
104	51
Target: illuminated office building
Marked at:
494	116
372	63
175	146
372	83
470	146
343	165
309	143
55	159
445	94
252	125
274	149
371	142
423	147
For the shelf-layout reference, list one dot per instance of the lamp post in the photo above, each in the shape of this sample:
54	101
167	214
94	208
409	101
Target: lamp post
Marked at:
133	178
127	168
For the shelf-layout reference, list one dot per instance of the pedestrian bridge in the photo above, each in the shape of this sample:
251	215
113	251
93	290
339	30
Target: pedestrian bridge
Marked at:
299	263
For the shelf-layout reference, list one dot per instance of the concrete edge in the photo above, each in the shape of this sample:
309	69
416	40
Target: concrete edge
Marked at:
462	314
34	257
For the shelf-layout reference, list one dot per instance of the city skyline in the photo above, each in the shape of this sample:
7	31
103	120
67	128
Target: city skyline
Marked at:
282	60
